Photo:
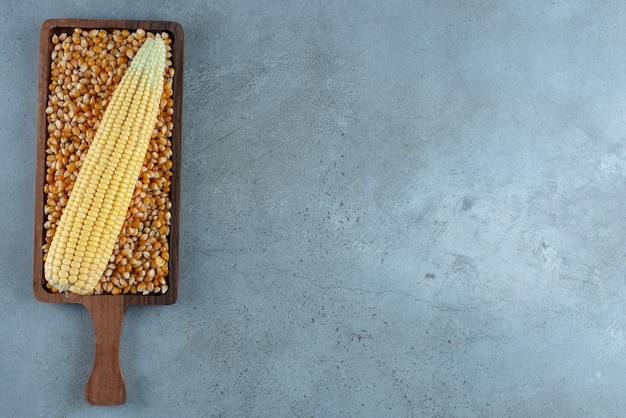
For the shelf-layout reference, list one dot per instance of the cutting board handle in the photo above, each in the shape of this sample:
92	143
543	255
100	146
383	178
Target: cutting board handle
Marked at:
106	383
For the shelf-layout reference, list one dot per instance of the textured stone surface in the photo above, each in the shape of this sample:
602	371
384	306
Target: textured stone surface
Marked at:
391	208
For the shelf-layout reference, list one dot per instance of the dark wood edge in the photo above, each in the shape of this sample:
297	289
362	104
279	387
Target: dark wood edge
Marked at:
176	32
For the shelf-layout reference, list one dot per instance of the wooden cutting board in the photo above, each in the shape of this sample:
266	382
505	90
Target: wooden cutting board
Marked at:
106	383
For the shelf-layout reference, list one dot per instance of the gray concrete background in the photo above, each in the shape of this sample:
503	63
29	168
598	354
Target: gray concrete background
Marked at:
400	208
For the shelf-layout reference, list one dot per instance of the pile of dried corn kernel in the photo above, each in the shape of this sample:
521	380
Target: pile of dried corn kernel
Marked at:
86	66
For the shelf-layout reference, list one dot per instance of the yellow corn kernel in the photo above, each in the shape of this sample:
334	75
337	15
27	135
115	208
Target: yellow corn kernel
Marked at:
105	182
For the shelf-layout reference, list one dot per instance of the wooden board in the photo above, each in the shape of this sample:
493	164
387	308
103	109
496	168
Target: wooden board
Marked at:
106	384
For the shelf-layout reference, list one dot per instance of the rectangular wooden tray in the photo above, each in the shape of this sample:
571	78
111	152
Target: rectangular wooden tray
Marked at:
106	384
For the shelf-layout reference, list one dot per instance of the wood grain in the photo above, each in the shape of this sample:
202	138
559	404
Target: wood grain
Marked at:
106	384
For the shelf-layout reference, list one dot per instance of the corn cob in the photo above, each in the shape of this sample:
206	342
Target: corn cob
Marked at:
97	206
